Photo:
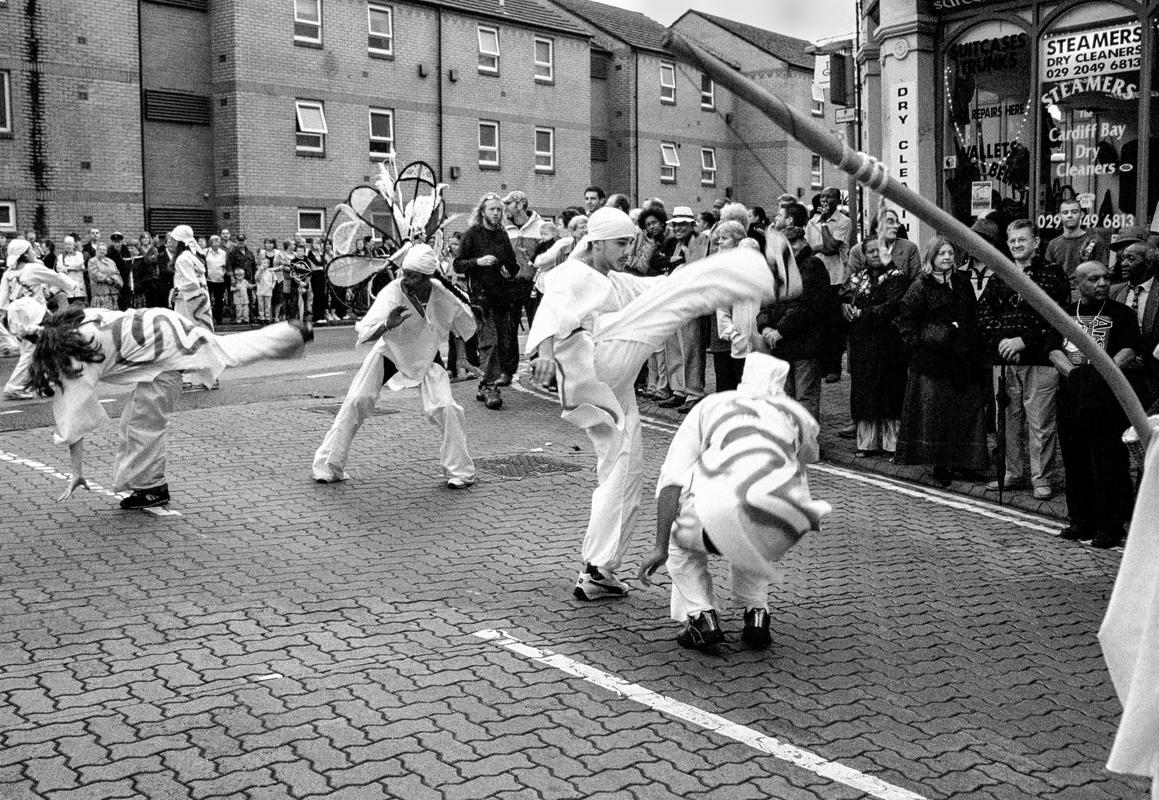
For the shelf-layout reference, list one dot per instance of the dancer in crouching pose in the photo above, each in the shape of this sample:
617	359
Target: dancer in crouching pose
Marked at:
734	485
77	349
595	328
410	317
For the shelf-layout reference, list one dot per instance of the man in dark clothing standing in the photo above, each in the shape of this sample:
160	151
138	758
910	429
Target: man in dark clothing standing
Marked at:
488	260
794	331
1090	421
1140	264
121	255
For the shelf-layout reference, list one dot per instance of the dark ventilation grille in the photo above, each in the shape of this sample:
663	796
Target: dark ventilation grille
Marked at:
190	109
600	65
525	465
599	149
196	5
163	220
332	409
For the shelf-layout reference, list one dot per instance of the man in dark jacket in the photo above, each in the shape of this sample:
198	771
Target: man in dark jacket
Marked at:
1014	338
1140	264
488	260
121	255
795	330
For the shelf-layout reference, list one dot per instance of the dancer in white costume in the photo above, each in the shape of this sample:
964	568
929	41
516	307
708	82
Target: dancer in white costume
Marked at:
595	328
77	349
734	485
26	277
410	317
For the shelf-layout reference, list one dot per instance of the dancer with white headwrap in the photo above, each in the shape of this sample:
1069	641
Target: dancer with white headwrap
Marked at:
410	317
734	485
595	328
26	277
77	349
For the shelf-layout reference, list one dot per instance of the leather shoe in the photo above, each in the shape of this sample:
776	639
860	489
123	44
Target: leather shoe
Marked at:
688	405
1076	533
848	432
672	402
1105	540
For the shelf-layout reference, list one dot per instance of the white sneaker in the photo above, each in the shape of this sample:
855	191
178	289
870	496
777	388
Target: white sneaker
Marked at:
334	476
594	584
460	483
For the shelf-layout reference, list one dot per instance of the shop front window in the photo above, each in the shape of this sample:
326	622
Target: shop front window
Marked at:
988	101
1089	100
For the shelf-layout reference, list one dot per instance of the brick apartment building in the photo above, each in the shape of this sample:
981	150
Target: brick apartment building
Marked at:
261	115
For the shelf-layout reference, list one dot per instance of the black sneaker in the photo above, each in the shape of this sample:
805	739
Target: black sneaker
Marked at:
675	401
1105	540
147	498
1076	533
756	629
702	632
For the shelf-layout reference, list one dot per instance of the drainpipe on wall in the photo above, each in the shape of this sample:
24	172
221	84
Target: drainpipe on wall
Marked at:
636	126
439	89
141	119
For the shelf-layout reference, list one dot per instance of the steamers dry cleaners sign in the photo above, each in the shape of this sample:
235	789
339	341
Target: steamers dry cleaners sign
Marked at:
1103	51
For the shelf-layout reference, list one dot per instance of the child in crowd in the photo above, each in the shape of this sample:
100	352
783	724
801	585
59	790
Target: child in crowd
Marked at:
265	291
242	290
297	296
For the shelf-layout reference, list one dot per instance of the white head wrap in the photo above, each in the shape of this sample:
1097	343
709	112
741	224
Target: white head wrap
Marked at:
25	316
421	258
17	248
184	233
604	224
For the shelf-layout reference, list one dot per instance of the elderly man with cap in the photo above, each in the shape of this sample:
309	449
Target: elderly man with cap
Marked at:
410	317
27	278
595	329
77	349
1127	236
734	485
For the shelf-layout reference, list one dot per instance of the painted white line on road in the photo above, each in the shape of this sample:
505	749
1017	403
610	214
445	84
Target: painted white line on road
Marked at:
38	466
270	677
326	374
839	773
16	411
109	400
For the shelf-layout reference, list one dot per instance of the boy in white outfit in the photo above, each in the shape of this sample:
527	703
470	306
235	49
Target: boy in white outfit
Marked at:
595	328
734	485
410	317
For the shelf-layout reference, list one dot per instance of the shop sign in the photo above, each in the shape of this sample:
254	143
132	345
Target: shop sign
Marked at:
903	157
981	193
1086	54
950	6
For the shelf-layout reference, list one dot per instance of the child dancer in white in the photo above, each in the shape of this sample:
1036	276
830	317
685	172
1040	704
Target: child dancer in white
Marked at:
595	328
411	317
734	485
27	277
77	349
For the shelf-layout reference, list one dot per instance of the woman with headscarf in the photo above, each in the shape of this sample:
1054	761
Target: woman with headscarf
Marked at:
411	316
594	329
189	277
75	350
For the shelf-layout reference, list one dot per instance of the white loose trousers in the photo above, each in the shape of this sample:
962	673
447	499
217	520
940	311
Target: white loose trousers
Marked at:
439	406
140	461
18	380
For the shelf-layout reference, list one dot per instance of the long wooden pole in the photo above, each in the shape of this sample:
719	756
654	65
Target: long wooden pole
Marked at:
870	172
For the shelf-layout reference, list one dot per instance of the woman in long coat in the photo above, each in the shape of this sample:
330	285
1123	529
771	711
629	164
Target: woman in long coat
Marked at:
877	357
944	413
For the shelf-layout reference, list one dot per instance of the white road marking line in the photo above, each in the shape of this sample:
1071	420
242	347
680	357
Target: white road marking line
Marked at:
326	374
109	400
38	466
17	411
839	773
270	677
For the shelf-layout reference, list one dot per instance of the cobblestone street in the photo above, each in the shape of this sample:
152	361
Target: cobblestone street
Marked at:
279	638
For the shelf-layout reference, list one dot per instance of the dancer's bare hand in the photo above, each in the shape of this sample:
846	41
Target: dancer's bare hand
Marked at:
397	316
543	369
74	482
653	562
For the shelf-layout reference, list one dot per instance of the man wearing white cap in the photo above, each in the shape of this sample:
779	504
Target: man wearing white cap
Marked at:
595	328
734	485
26	277
410	317
77	349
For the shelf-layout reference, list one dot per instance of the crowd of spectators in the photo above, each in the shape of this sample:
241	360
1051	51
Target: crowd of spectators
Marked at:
947	366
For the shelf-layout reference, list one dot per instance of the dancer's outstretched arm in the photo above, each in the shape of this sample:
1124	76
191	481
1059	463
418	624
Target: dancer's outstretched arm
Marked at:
667	506
77	479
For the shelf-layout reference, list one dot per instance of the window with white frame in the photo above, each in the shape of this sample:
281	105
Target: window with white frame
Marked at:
544	60
667	82
5	102
816	173
488	144
311	126
379	30
7	215
545	149
488	49
311	220
669	161
708	166
707	93
381	133
818	108
308	21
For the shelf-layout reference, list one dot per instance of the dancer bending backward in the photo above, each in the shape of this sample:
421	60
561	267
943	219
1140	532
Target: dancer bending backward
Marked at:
410	317
77	349
734	485
595	328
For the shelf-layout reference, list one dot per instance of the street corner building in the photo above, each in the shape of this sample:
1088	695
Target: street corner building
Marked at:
1015	106
259	115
